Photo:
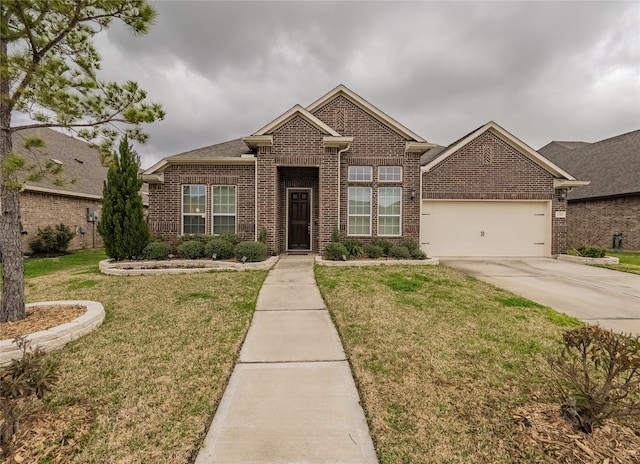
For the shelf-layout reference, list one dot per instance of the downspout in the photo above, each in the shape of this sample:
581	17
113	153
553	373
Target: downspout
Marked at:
348	147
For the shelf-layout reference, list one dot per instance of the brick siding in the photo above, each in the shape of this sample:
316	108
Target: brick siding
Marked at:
488	168
165	200
593	222
39	210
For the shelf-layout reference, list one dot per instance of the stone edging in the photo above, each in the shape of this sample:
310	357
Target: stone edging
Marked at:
180	266
378	262
586	260
56	337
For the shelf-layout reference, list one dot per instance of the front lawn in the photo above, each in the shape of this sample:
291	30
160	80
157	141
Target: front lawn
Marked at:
442	361
146	383
629	262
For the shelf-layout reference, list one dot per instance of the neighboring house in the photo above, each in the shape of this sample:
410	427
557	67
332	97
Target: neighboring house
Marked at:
341	163
44	203
610	204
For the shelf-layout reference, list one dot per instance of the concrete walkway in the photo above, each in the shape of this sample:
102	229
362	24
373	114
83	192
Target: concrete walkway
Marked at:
291	397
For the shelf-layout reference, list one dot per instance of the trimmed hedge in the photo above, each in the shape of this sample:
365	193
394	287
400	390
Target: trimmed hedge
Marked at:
399	252
254	251
373	251
192	249
221	247
156	250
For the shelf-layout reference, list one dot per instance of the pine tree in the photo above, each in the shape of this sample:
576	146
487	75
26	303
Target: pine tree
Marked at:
49	72
123	226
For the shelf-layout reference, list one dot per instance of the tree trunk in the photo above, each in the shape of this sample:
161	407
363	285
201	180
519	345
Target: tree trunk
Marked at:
12	307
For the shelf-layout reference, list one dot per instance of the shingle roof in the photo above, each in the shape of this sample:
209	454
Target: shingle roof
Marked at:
431	154
233	149
612	165
81	163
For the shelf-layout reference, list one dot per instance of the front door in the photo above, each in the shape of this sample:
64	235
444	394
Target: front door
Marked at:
299	228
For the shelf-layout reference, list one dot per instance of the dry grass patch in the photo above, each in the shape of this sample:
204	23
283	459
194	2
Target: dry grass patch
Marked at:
442	361
154	372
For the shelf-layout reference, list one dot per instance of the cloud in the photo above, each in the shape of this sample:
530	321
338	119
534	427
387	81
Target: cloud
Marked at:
543	70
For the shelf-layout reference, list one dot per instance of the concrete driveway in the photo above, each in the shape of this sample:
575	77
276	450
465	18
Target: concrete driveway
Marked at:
594	295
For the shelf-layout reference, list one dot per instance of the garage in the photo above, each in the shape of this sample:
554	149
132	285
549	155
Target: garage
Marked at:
486	228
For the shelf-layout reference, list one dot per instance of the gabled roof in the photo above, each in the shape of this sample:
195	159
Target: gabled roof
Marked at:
83	171
292	113
356	99
612	165
432	161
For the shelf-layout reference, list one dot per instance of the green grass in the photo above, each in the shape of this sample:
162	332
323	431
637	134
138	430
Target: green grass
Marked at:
87	259
442	360
629	262
153	373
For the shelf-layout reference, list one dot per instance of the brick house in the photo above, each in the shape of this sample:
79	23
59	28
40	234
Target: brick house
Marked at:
342	163
45	203
611	203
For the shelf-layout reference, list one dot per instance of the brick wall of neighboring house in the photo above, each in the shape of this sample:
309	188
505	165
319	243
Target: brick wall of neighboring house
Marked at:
595	221
490	169
39	210
165	200
374	145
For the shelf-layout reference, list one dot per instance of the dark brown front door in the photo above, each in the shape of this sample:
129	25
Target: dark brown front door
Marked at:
299	220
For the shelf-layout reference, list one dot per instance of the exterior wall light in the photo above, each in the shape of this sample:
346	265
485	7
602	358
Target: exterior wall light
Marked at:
412	194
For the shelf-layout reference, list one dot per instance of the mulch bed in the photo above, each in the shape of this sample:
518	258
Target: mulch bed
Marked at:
48	435
41	318
542	425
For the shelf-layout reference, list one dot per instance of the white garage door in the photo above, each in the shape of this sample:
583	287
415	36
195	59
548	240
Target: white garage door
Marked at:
486	228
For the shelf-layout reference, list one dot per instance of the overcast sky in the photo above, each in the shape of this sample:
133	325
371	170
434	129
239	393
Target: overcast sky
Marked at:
543	70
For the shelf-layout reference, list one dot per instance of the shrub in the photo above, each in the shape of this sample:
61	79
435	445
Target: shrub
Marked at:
591	251
51	240
231	238
335	251
335	235
598	376
384	244
418	254
399	252
409	245
373	251
22	383
354	248
262	235
221	247
254	251
193	249
157	250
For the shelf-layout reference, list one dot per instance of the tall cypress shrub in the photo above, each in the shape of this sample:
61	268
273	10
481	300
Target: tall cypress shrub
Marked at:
122	226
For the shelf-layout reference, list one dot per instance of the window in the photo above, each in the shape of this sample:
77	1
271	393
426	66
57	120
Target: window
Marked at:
193	209
389	173
360	173
359	211
389	210
224	209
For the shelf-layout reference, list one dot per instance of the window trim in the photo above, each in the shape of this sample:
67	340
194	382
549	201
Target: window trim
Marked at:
387	181
203	214
350	179
235	208
370	215
399	215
